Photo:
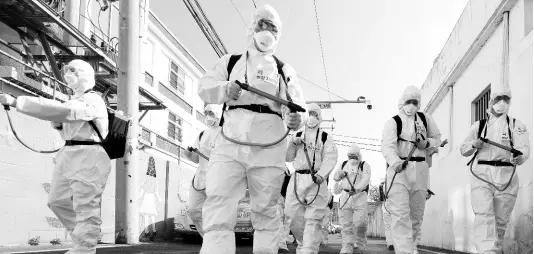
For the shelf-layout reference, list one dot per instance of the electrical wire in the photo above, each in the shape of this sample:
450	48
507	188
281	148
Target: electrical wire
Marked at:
373	150
254	2
352	142
375	139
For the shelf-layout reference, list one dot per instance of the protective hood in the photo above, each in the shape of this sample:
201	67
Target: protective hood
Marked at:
216	109
85	74
499	90
410	93
354	149
314	107
266	12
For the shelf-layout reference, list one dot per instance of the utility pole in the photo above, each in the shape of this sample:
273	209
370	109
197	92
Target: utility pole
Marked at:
126	189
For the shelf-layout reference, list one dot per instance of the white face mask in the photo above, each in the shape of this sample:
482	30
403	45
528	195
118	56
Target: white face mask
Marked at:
264	40
501	107
313	122
210	121
409	109
71	79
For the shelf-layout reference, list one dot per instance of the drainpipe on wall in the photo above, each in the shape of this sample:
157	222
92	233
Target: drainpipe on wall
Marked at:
505	63
451	118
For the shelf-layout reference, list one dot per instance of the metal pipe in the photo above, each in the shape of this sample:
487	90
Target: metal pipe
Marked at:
50	56
505	63
126	206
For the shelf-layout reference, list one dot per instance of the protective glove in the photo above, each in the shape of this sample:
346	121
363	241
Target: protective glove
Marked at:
190	149
340	175
297	140
293	120
423	144
56	125
338	188
233	90
397	166
477	144
6	99
318	179
518	160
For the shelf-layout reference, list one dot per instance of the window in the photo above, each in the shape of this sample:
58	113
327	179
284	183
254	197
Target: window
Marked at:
528	16
481	104
174	129
149	80
177	77
200	117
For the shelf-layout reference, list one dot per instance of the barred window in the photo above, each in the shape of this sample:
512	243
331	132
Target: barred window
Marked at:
481	104
177	77
174	128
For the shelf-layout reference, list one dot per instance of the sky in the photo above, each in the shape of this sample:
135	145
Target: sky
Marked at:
371	48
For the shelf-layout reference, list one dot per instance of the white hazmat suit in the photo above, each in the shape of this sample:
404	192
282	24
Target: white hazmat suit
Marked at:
353	203
81	171
406	199
204	144
493	207
233	167
387	221
306	220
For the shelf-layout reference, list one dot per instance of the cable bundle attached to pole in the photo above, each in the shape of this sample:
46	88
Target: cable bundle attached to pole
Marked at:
206	27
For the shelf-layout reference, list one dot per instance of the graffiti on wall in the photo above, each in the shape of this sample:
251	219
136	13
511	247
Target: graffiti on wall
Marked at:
149	199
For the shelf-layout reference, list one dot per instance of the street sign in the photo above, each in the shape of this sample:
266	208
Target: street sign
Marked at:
325	105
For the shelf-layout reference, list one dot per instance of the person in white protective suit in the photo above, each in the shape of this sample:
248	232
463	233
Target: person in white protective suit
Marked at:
249	119
386	216
352	182
307	198
204	143
284	229
326	219
82	165
494	186
406	195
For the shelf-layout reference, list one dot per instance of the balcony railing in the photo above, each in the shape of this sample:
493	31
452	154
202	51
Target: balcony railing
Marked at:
161	143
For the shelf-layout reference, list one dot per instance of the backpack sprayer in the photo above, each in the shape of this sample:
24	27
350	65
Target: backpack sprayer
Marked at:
293	108
314	178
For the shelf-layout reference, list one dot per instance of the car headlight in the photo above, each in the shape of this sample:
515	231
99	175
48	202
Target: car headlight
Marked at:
243	213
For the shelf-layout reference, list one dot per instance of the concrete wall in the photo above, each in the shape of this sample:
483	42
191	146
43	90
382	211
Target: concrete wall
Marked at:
448	215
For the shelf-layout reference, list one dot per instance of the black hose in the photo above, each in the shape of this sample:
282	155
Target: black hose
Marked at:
6	107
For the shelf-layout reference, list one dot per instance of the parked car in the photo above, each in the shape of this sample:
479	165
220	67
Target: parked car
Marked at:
184	227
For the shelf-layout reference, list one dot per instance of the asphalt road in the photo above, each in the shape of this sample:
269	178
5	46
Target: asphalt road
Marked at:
375	246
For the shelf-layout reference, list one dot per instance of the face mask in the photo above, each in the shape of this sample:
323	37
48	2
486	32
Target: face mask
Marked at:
313	121
500	107
409	109
71	79
210	121
264	40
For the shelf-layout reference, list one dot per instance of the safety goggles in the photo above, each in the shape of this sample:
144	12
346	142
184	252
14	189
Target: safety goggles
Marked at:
313	113
209	113
502	98
66	69
413	102
266	25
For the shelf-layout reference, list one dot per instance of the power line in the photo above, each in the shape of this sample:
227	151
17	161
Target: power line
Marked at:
375	139
254	2
324	89
240	12
352	142
373	150
322	51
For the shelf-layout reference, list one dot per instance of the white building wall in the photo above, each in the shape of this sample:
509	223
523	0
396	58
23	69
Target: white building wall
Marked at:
448	215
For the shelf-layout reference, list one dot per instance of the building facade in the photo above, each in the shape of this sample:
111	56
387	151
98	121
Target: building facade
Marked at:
456	94
169	79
